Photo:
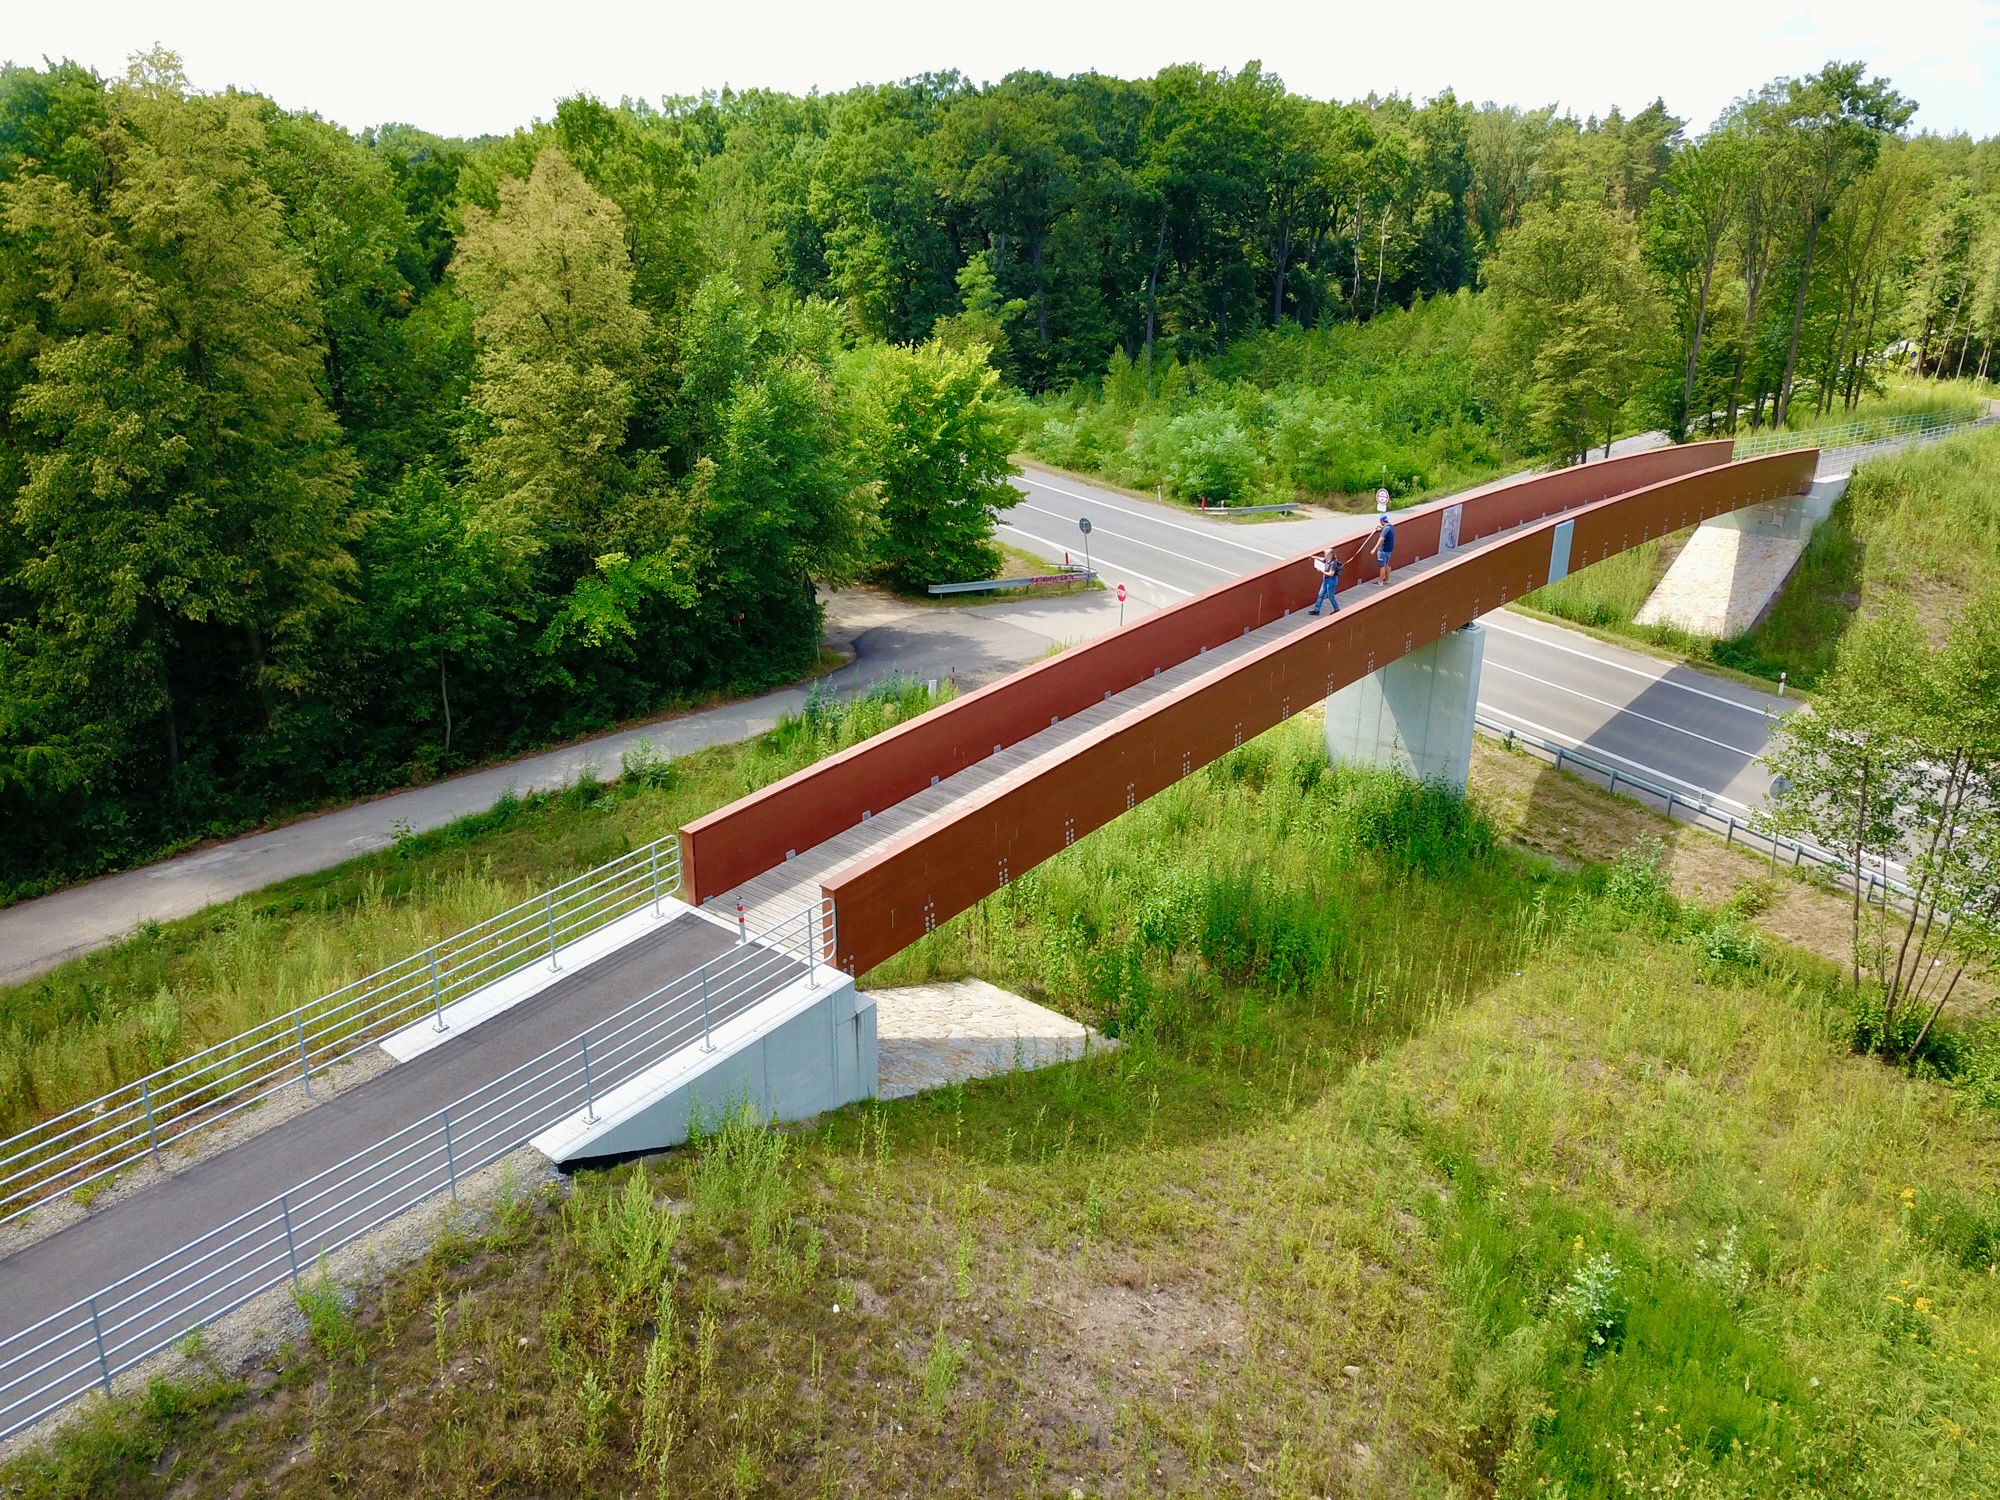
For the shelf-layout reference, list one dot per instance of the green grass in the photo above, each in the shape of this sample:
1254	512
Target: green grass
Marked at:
108	1017
1960	400
1422	1167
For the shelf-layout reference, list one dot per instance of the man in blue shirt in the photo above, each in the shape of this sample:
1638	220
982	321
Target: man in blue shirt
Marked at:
1385	546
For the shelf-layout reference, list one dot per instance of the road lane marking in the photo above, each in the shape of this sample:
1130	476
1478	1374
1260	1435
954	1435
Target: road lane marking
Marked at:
1119	536
1043	541
1662	680
1210	534
1637	765
1630	713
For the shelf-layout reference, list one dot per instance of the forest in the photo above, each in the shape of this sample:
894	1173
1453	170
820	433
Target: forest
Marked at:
337	460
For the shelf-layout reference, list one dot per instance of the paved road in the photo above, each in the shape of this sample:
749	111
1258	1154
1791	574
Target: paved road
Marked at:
1681	726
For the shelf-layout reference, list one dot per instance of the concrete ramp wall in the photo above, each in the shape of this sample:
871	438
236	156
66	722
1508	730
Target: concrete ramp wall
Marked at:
807	1049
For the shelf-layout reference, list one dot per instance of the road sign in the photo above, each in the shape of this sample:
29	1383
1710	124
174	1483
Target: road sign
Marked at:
1121	593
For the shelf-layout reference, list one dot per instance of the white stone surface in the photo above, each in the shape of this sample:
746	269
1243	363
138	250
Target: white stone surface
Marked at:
1733	567
1416	713
934	1034
1721	582
527	981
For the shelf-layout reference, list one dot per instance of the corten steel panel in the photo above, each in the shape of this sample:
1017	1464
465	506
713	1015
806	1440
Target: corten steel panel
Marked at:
944	865
752	835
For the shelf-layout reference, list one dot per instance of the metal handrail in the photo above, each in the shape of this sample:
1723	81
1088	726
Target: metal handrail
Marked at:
91	1141
1699	805
87	1344
1858	434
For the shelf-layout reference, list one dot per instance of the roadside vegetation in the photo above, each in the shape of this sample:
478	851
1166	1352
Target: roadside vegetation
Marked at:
108	1017
1325	416
1423	1165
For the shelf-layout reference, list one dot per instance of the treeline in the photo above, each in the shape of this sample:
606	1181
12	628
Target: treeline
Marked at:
331	459
1783	266
1803	250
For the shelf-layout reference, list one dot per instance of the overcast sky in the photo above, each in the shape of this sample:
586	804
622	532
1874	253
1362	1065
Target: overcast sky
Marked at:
471	69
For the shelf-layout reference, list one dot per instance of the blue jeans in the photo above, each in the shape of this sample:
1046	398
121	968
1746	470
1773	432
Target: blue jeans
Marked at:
1326	587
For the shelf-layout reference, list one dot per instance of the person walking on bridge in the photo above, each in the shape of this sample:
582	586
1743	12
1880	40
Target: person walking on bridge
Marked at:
1384	538
1328	567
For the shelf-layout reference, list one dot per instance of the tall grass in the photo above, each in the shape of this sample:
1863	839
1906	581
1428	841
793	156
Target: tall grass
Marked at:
102	1020
1420	1168
1608	594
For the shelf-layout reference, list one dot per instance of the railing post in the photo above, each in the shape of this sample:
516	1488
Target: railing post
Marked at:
152	1135
437	992
450	1162
305	1062
656	879
549	907
1559	757
291	1246
589	1094
706	1044
1613	788
97	1334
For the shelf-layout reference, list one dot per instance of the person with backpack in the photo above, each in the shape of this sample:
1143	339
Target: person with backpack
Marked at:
1328	567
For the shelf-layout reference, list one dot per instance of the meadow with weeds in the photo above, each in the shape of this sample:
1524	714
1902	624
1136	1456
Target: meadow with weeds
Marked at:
1423	1165
108	1017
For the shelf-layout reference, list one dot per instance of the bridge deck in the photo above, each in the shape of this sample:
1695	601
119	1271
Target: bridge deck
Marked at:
794	885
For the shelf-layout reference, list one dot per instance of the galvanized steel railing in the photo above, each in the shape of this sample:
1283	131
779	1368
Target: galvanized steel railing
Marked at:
118	1130
1699	807
89	1343
1859	434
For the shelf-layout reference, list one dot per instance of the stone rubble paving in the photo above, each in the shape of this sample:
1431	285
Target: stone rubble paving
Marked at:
930	1035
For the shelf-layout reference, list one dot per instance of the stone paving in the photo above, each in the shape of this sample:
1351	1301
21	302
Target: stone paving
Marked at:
1722	582
930	1035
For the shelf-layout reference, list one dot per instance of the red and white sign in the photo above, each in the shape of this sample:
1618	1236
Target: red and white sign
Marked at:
1121	593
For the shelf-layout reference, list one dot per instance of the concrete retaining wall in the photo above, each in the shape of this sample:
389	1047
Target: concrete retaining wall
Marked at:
806	1050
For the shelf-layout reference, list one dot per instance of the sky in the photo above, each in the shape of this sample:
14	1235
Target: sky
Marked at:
465	70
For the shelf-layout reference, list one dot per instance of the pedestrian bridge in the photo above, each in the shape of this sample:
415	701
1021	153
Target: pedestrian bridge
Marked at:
901	833
598	1018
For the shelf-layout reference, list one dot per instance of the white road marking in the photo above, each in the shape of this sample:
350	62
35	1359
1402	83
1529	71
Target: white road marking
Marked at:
1043	541
1124	510
1629	712
1605	661
1119	536
1598	750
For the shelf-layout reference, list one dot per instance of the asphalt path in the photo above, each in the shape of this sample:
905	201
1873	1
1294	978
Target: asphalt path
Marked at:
1678	726
973	646
131	1235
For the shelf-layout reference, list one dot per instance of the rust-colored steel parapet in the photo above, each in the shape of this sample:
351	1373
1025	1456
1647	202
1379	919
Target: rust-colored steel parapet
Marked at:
738	842
955	858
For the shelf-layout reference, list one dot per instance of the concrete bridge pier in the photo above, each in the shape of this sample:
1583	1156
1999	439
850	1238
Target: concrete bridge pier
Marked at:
1415	714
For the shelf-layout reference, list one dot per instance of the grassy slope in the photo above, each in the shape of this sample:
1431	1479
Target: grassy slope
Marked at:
1923	525
1334	1218
105	1018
